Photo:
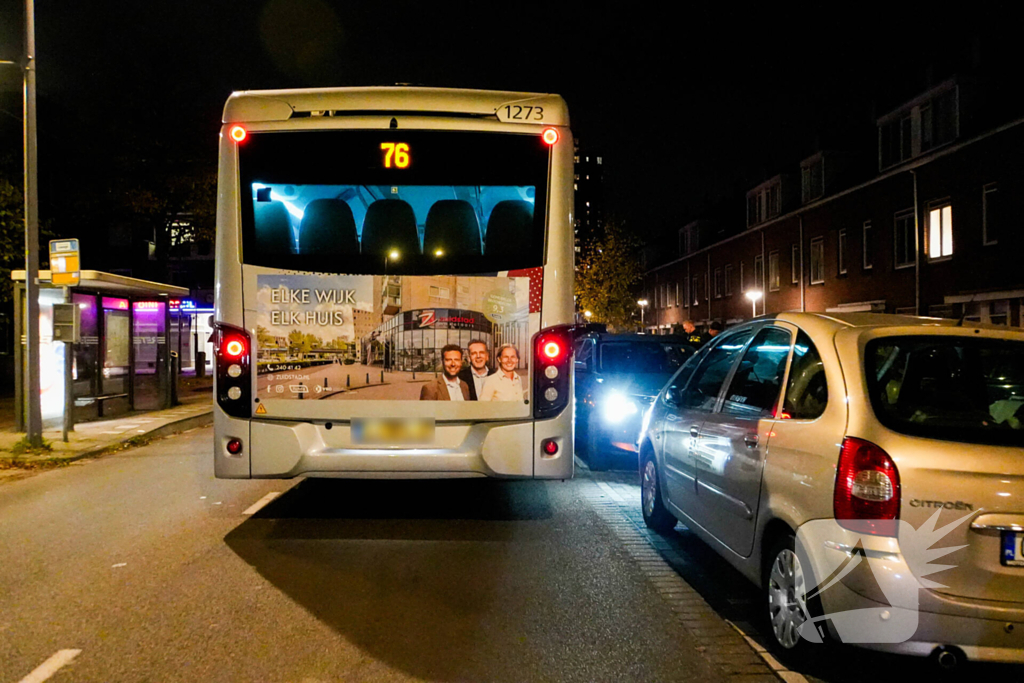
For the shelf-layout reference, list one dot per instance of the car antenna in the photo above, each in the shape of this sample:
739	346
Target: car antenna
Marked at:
963	313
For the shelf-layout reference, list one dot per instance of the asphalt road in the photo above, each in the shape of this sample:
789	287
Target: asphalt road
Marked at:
150	568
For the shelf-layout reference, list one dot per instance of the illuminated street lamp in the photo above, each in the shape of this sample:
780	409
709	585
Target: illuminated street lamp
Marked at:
642	303
754	295
587	314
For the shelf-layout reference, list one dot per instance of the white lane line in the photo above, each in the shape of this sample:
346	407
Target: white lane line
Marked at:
50	666
259	504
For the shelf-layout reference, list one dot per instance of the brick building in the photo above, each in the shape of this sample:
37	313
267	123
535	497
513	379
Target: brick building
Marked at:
927	228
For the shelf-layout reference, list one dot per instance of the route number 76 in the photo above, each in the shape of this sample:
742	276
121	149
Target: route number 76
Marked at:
396	154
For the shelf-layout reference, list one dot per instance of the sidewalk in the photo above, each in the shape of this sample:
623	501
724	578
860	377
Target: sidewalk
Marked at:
94	438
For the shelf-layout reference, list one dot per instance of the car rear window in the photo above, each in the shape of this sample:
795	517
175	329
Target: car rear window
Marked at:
643	356
950	388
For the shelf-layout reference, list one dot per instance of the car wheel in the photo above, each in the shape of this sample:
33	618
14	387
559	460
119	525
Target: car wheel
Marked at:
786	581
651	504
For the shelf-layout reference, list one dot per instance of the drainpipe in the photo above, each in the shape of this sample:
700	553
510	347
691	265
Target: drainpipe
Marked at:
803	301
764	278
711	284
917	250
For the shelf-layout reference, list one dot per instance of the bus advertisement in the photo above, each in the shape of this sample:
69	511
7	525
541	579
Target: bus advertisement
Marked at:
394	285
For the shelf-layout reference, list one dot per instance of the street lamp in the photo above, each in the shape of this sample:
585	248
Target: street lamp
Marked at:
754	295
587	314
642	303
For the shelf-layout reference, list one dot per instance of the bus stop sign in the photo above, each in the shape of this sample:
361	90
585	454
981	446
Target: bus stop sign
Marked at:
64	266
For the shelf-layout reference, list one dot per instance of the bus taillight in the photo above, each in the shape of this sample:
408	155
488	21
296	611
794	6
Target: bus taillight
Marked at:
233	370
552	353
237	133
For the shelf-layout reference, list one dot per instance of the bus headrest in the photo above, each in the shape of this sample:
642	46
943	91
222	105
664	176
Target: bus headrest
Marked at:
390	224
509	227
452	226
328	227
273	229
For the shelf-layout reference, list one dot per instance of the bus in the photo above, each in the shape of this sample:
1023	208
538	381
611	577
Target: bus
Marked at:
394	285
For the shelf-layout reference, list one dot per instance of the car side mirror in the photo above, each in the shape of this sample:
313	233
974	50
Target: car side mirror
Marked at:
673	396
581	366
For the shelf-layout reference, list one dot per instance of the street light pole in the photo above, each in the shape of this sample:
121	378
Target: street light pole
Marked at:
34	423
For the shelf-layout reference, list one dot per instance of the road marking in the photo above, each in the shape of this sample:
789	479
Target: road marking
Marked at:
119	564
259	504
50	666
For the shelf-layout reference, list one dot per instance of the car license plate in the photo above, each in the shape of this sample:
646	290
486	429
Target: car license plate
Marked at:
1012	555
393	432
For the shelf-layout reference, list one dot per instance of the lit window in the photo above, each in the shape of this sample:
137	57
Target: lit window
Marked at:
940	231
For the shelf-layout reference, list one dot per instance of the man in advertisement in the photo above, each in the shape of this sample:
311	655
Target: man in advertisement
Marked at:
504	385
478	371
447	386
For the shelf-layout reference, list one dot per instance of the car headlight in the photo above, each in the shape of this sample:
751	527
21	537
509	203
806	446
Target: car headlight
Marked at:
616	407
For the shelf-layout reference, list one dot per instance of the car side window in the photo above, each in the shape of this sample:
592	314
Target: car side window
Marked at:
584	352
807	390
710	374
674	391
754	389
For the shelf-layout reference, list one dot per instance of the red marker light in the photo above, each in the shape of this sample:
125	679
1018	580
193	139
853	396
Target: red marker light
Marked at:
552	350
234	446
235	348
550	136
237	133
550	446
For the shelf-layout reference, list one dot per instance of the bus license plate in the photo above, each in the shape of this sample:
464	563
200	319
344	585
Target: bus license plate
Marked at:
1012	555
393	432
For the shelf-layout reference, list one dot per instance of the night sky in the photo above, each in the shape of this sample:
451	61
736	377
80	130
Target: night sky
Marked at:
687	104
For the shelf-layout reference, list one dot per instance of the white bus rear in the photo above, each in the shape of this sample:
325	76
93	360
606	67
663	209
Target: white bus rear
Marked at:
365	236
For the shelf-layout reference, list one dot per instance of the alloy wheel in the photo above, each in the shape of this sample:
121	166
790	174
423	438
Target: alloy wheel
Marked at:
787	598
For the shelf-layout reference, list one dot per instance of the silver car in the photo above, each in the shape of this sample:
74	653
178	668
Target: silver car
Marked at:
866	471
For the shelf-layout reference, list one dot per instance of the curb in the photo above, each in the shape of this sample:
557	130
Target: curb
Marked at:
169	429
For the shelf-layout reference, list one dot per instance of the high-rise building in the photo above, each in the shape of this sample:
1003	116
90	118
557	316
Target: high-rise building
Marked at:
588	182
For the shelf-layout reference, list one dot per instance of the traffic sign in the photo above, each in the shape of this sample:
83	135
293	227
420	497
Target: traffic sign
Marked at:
64	262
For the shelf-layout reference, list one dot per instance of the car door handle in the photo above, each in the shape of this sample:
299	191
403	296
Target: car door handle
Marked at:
695	432
750	440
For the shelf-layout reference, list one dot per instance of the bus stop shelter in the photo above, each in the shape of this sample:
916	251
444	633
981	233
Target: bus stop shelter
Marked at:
123	361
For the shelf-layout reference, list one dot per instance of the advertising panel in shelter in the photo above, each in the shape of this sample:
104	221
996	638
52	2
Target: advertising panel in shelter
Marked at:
396	337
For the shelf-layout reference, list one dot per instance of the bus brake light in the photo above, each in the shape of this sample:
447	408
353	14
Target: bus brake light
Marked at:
237	133
550	136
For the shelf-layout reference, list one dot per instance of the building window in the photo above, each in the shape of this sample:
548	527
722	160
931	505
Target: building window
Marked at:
684	242
743	279
940	231
676	300
759	272
728	280
818	261
718	283
439	292
990	217
773	271
794	265
867	238
927	122
842	252
696	290
764	202
812	178
903	238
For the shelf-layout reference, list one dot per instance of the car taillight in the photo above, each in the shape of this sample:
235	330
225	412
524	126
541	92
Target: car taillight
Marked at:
552	352
233	376
867	492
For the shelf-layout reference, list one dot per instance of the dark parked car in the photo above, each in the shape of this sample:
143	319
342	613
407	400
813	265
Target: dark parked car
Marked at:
617	377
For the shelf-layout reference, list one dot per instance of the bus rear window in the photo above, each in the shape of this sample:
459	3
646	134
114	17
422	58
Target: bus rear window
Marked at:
464	203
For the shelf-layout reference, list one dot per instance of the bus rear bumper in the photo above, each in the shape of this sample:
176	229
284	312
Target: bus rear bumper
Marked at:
279	449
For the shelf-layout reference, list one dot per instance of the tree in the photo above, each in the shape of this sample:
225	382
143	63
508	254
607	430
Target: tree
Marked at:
12	236
606	272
